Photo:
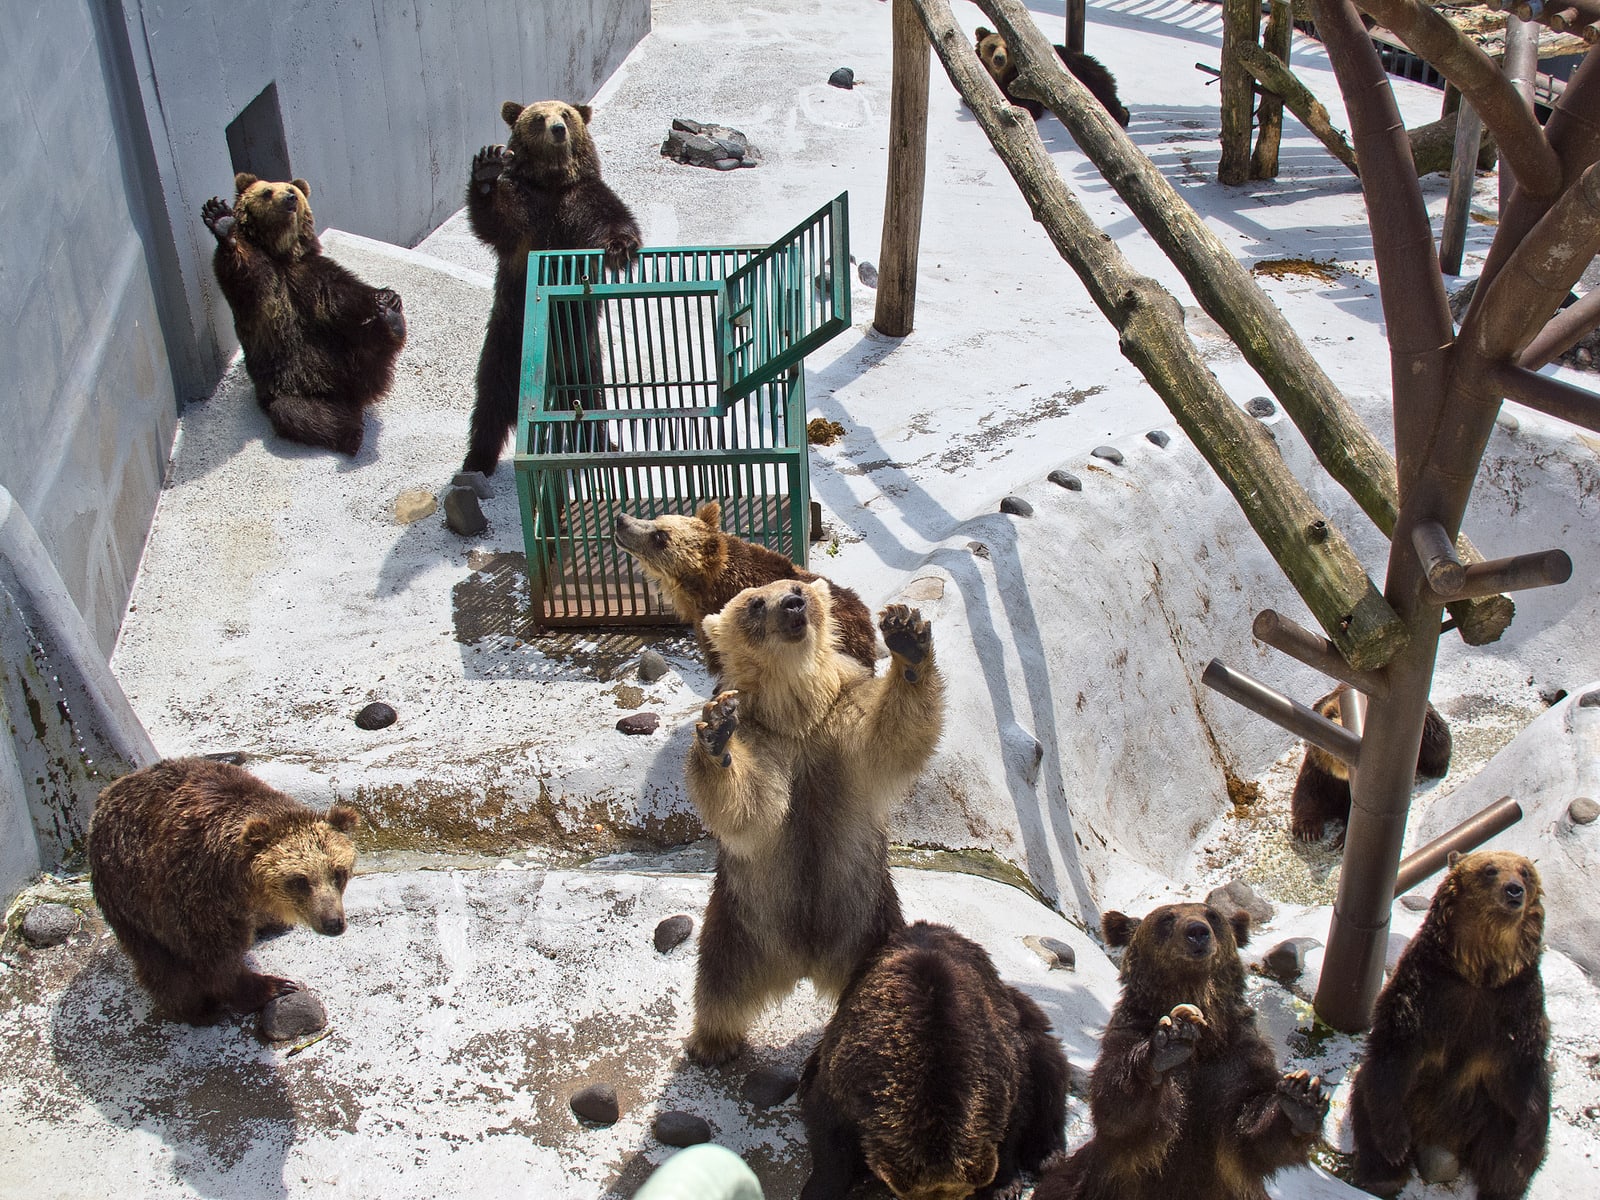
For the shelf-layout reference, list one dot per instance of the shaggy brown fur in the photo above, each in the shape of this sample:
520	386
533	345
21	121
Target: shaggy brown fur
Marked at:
1457	1053
934	1076
699	569
318	343
793	771
1322	789
540	191
1186	1096
190	859
1090	72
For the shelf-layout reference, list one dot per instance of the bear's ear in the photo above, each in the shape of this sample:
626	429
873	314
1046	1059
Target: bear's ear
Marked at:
584	111
256	836
243	180
305	188
510	111
1241	927
1117	927
343	818
1454	857
711	625
710	513
982	33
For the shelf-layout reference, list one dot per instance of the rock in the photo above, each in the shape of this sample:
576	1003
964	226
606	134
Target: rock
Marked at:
412	505
1415	901
476	480
47	925
674	1128
673	932
463	513
1435	1164
376	715
868	274
291	1016
1159	437
685	124
726	164
1066	479
716	146
639	724
1551	694
844	78
597	1102
1286	961
1240	896
768	1087
1260	406
1016	506
1110	453
651	666
1582	811
1057	955
235	758
979	550
1589	699
1508	422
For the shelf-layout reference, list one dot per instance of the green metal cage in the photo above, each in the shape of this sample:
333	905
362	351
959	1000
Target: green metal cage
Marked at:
681	384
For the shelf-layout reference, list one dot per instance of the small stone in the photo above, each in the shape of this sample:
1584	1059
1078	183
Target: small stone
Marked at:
727	164
376	715
868	274
1435	1164
597	1102
818	531
1589	700
476	480
673	932
768	1087
1508	422
1159	437
1415	902
1057	955
651	666
1286	961
686	125
48	925
463	513
674	1128
412	505
1066	479
1551	694
639	724
291	1016
1016	506
1583	811
236	758
1110	453
979	550
844	78
1260	406
1239	896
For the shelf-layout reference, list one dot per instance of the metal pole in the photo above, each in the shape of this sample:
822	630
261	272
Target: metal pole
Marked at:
1280	710
1469	835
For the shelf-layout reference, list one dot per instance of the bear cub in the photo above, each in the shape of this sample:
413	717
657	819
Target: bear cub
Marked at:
933	1075
191	859
793	770
1322	788
1457	1056
319	344
1186	1096
699	568
540	191
1090	72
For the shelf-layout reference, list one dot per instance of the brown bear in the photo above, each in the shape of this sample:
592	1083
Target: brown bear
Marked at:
191	859
319	344
933	1075
540	191
1322	789
793	770
1090	72
1457	1054
700	568
1186	1096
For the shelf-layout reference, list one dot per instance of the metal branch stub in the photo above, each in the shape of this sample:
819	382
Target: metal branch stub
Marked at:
1518	573
1299	720
1437	552
1318	653
1469	835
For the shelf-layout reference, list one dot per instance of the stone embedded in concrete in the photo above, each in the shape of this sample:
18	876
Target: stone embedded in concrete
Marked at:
1016	506
844	78
639	724
924	589
1057	955
1415	901
1589	700
376	715
651	666
768	1087
463	513
295	1015
412	505
868	274
46	925
1508	421
1110	453
979	550
1159	437
1065	479
476	480
1286	961
673	932
674	1128
1583	811
596	1102
1260	406
1239	896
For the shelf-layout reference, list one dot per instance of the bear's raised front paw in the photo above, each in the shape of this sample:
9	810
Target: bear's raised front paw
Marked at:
1301	1099
1174	1040
719	718
620	251
907	635
489	164
218	218
391	310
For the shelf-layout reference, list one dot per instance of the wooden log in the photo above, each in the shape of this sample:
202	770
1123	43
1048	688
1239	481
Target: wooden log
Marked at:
1077	18
896	306
1312	553
1463	173
1276	78
1241	26
1275	43
1433	145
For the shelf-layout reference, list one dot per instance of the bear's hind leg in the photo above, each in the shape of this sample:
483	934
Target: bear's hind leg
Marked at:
317	423
733	983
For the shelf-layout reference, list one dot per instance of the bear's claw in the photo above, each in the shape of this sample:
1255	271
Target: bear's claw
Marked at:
391	311
1301	1099
1173	1042
489	163
906	634
620	251
218	218
719	718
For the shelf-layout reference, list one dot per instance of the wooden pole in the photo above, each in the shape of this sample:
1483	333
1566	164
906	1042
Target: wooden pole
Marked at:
1077	18
896	307
1241	26
1275	43
1463	172
1275	78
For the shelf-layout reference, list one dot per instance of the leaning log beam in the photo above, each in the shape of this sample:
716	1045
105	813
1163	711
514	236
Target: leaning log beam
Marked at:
1275	77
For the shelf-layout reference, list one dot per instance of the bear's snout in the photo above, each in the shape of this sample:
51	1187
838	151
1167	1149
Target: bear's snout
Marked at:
1515	893
558	131
331	924
289	200
1198	937
791	616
